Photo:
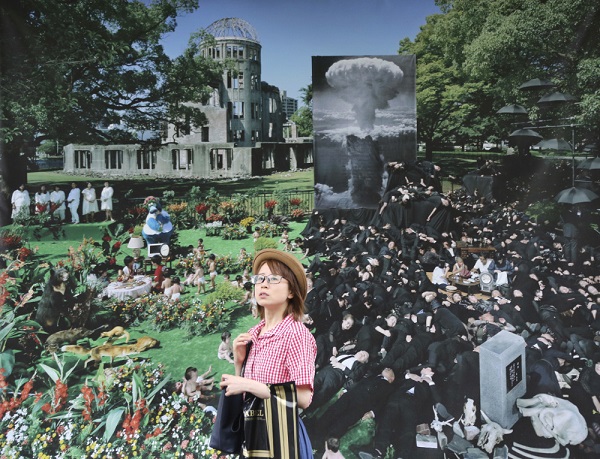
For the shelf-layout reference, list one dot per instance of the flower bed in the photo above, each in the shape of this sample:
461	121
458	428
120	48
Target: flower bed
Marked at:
123	412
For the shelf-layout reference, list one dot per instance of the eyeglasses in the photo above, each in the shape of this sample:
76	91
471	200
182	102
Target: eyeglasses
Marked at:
272	279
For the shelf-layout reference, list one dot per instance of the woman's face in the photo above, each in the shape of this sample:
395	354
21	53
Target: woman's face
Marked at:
271	296
347	323
391	321
597	367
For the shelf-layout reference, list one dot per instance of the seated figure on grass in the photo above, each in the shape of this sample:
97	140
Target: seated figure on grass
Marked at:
158	227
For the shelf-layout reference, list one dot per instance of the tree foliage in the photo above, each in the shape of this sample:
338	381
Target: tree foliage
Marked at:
304	115
472	58
69	67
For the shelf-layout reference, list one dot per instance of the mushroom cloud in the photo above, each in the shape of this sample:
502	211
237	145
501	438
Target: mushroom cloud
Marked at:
367	83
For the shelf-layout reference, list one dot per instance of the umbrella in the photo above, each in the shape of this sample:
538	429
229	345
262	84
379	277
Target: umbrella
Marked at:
556	98
575	195
536	83
513	109
525	134
554	144
591	164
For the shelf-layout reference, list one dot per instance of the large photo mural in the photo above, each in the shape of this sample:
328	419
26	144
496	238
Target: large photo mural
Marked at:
364	115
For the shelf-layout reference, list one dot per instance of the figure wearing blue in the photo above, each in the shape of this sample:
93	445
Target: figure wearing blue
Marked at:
158	228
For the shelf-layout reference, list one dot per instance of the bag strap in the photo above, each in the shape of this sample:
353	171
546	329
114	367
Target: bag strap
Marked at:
248	346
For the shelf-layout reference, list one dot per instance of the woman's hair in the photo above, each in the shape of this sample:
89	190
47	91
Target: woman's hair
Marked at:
128	259
296	303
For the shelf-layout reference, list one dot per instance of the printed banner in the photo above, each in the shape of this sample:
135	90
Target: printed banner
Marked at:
364	116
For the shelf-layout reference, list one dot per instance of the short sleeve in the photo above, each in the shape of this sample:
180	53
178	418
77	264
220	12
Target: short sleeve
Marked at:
302	355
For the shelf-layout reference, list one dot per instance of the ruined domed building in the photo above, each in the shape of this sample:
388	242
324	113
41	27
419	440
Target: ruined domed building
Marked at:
243	136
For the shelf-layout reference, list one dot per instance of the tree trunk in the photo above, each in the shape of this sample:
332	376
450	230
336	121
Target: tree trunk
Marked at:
13	172
428	151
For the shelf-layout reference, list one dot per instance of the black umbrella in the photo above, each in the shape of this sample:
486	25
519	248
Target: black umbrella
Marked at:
513	109
591	164
575	195
556	98
525	134
536	83
554	144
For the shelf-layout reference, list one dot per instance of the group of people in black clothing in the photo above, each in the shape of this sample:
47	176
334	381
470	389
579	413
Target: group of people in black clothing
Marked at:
396	346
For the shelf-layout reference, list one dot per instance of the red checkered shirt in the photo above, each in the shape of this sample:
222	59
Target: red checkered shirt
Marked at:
285	353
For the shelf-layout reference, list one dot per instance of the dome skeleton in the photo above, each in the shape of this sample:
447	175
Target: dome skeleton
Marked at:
232	28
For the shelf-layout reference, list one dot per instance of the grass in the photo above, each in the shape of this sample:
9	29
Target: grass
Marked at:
177	351
143	186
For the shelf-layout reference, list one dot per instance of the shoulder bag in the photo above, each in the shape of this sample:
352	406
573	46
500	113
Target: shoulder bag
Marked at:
272	427
228	432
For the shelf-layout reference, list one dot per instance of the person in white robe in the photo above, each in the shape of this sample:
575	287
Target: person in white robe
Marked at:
20	202
90	204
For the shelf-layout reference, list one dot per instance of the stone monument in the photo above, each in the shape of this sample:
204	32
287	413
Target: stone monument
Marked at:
502	377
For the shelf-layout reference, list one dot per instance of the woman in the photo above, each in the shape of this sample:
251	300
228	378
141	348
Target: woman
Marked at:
283	349
90	205
106	201
459	269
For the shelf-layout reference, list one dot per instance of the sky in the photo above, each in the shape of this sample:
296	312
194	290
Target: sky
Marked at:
292	31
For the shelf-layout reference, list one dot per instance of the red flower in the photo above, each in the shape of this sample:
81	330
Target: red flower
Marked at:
215	218
295	201
116	246
201	208
9	241
88	398
26	390
270	204
102	397
106	238
23	253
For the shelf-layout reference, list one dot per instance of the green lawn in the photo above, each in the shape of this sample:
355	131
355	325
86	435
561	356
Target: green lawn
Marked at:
144	186
176	351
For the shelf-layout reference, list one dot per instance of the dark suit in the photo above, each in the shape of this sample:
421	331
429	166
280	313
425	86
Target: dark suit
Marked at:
407	406
369	394
329	380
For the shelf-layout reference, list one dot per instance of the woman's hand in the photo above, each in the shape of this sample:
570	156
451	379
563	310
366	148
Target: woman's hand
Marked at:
237	385
233	384
240	345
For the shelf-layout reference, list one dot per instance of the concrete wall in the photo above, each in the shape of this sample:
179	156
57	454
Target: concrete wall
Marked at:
201	160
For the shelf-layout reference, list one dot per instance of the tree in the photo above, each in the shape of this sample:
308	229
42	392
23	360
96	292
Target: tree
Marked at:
512	41
69	66
303	116
449	107
472	58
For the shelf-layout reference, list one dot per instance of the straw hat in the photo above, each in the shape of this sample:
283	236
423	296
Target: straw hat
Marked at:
287	259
